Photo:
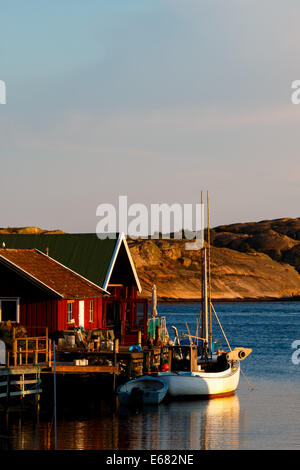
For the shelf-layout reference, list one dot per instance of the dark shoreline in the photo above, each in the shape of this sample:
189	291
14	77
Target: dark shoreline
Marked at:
244	300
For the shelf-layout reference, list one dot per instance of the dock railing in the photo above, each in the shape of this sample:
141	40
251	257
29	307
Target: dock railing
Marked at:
29	350
19	382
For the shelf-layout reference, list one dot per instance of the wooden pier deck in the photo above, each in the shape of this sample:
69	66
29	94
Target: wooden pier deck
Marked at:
70	368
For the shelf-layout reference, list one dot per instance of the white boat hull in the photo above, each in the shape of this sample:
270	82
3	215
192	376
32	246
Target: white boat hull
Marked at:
202	384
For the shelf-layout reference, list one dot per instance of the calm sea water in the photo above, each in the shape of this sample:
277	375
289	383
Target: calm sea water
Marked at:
265	417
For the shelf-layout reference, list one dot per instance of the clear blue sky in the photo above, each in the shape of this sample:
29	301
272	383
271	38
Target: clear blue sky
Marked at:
155	100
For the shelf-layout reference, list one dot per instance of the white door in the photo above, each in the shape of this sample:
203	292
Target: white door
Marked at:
81	313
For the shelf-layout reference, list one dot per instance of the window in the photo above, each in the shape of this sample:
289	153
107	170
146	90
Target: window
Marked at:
69	312
9	310
91	311
113	314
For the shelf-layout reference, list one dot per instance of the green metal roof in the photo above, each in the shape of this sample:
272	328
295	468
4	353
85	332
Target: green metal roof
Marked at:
84	253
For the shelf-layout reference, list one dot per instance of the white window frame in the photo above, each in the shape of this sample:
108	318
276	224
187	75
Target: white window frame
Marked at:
70	320
91	311
11	299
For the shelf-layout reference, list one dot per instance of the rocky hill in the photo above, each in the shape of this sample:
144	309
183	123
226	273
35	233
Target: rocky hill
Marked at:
257	260
28	231
235	275
279	239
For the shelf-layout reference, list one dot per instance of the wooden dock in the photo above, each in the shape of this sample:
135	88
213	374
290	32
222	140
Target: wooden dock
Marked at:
32	364
20	381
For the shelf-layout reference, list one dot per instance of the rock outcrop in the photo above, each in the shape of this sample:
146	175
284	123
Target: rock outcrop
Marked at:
234	275
28	231
255	260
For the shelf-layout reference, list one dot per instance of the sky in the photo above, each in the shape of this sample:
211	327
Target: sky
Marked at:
155	100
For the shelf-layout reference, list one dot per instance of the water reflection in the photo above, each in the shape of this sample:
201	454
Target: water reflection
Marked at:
193	424
212	424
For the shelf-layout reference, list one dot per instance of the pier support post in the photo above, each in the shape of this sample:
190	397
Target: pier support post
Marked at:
14	346
116	351
54	396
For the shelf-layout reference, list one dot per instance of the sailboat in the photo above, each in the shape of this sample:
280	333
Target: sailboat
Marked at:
205	373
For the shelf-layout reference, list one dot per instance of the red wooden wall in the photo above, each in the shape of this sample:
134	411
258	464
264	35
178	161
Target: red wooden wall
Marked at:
53	314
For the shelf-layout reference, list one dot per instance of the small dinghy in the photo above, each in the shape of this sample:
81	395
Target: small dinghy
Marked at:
144	390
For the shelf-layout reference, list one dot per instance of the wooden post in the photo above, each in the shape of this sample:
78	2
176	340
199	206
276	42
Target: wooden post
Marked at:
158	333
47	349
26	351
7	356
14	346
36	351
193	359
123	320
139	338
170	356
23	386
146	309
54	397
116	351
49	352
37	395
8	391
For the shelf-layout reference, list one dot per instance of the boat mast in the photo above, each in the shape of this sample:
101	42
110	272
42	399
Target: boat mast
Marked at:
203	273
205	299
206	291
205	329
209	275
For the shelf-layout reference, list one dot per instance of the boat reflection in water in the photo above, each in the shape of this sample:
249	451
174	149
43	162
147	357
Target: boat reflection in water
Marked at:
208	425
182	425
178	425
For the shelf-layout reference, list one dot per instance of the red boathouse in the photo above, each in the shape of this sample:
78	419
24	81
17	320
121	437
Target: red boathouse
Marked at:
62	281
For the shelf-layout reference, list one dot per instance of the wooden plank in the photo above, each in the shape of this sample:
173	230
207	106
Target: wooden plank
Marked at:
25	392
25	382
19	370
85	369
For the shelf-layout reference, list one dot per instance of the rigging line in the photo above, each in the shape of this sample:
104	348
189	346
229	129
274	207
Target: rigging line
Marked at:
243	373
220	326
190	338
248	382
198	323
